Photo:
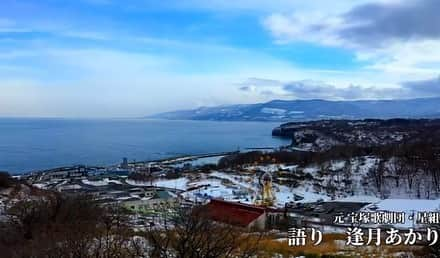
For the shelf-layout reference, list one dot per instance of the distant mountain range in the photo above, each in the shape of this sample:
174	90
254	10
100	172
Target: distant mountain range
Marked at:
316	109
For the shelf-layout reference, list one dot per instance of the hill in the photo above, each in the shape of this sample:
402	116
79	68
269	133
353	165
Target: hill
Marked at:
316	109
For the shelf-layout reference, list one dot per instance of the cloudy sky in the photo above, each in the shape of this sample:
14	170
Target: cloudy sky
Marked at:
113	58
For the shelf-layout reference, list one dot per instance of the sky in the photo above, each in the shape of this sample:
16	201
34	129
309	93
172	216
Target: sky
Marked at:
131	58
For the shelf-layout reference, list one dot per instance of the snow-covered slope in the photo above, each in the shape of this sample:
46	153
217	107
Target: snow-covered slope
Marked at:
291	110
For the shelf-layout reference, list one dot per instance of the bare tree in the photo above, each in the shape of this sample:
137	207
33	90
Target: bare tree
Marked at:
5	180
396	167
191	234
377	174
60	226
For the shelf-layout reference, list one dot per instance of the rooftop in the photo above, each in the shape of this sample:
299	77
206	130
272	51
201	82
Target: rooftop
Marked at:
233	213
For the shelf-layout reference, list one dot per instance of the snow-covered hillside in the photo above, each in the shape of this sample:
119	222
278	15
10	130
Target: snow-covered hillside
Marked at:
302	110
361	179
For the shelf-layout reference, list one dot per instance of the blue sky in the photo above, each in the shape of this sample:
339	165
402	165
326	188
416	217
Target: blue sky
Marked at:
109	58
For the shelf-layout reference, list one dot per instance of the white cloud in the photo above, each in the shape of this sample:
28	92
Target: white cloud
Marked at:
375	32
313	89
161	74
300	27
108	82
405	57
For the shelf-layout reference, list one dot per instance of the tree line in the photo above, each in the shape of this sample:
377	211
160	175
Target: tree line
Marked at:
77	226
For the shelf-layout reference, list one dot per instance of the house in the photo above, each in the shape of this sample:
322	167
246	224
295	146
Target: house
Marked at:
237	214
55	175
163	199
160	201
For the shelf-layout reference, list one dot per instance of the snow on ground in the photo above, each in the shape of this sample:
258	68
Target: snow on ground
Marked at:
273	111
94	183
337	164
409	206
289	167
215	189
236	179
266	168
103	182
70	187
41	186
113	181
206	160
369	162
281	193
178	183
311	170
285	194
200	161
221	185
123	198
359	198
138	183
308	195
335	172
2	206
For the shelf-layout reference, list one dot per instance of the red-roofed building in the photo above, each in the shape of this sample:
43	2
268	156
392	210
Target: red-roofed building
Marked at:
237	214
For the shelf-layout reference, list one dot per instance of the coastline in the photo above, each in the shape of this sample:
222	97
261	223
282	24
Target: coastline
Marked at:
35	145
180	159
165	161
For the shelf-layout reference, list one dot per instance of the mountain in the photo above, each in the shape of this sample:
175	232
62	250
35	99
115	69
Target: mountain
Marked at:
300	110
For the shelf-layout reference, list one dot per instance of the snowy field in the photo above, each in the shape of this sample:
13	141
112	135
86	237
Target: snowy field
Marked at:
178	183
316	182
200	161
102	182
409	206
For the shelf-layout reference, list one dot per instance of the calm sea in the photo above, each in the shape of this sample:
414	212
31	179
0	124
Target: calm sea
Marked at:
32	144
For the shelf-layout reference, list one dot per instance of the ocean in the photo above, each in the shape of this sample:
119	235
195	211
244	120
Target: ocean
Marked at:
32	144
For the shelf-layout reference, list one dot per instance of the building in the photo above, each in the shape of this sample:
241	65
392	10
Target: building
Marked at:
124	163
65	172
237	214
159	201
